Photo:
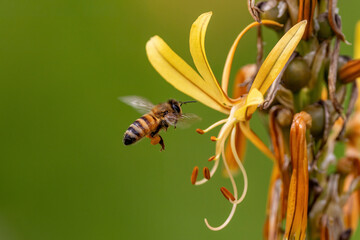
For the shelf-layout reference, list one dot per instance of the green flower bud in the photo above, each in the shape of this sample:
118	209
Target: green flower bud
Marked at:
297	74
277	13
325	31
317	113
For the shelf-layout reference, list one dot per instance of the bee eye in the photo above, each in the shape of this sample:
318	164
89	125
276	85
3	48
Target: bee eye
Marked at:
176	108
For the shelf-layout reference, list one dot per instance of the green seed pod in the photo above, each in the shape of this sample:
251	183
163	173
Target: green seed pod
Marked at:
297	74
317	113
277	13
325	31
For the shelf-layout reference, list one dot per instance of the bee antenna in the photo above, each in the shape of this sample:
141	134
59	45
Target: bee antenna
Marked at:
181	103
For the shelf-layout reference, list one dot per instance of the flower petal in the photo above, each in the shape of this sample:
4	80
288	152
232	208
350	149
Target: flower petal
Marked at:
249	134
197	50
230	57
240	144
357	41
253	99
278	57
357	56
179	74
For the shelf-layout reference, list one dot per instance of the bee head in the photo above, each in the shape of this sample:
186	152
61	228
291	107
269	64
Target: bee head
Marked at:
175	105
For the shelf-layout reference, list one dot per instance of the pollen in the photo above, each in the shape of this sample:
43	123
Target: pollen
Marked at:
200	131
194	175
206	173
227	194
213	138
211	158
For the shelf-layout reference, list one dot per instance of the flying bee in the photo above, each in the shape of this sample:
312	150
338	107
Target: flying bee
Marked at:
155	118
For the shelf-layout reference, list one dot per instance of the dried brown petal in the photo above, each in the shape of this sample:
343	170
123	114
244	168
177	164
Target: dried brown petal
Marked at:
254	11
351	208
277	140
333	76
296	216
306	12
350	71
272	227
334	20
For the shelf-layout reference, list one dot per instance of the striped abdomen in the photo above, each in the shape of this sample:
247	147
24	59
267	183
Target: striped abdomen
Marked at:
140	128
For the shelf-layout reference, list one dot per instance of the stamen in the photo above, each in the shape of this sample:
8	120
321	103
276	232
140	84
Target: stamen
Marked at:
224	133
211	158
225	223
234	204
206	173
241	166
227	194
213	138
194	175
212	172
213	126
200	131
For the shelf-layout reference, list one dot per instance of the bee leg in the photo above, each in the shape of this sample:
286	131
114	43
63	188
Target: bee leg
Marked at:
157	139
162	144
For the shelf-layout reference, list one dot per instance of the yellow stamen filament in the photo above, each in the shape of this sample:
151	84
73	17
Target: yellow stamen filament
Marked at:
194	175
206	173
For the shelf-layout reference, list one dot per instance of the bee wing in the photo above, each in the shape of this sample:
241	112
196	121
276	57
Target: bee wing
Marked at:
142	105
187	119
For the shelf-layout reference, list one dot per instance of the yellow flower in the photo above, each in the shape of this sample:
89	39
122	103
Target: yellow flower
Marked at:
206	89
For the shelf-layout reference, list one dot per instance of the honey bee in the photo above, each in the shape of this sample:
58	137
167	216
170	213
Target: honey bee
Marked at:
155	118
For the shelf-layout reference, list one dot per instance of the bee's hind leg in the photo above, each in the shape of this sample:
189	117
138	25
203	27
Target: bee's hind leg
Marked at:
157	139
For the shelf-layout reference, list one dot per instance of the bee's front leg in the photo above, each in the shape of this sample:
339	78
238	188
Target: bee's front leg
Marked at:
157	139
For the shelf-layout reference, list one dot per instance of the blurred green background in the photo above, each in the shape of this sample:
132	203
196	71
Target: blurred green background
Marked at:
65	173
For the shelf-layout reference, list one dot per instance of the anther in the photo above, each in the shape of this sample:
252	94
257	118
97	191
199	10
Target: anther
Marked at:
227	194
213	138
211	158
206	173
194	175
200	131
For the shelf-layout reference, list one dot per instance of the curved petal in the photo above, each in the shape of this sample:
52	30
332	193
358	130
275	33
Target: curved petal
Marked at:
179	74
197	50
230	57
